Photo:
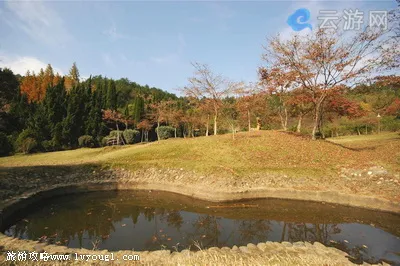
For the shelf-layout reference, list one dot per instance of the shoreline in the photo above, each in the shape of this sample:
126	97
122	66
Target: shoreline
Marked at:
126	180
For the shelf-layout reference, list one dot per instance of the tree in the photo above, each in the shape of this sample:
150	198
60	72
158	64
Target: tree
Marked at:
250	106
230	115
112	96
394	108
72	79
159	113
145	126
325	59
279	82
116	117
212	86
301	104
8	87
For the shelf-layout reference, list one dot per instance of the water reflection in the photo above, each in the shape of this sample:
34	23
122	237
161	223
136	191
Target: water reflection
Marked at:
154	220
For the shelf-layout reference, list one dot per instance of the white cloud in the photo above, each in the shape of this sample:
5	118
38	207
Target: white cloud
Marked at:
166	59
21	64
113	33
37	20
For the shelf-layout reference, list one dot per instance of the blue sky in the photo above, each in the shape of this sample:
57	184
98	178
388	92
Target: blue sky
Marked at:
150	42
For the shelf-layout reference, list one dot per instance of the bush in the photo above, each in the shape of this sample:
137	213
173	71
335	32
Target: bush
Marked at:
130	135
28	145
26	141
390	123
86	141
48	145
114	133
5	145
165	132
104	141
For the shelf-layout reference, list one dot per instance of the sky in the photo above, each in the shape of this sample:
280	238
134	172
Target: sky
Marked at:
152	42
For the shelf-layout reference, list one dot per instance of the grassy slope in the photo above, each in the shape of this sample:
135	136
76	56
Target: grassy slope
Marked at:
250	153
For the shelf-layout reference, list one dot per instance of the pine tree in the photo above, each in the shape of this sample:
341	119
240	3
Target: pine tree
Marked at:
112	96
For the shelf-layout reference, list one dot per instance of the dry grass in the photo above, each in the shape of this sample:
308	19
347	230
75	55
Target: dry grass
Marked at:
250	153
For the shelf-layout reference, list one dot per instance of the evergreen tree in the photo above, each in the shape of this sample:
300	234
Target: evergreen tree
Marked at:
54	103
112	96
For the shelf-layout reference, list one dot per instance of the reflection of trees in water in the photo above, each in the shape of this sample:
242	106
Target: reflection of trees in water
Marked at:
206	231
173	219
96	220
293	232
254	230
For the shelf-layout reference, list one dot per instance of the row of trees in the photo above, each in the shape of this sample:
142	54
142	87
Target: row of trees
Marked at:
306	83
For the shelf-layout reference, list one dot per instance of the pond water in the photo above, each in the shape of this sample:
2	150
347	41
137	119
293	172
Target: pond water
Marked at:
153	220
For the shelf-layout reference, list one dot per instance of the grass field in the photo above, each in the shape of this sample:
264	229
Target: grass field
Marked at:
254	152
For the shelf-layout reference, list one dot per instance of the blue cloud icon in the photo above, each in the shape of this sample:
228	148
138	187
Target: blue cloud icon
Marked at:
298	19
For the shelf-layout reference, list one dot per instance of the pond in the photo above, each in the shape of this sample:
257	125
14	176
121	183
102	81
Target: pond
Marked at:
153	220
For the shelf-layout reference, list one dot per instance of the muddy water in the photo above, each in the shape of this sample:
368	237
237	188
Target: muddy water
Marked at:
144	220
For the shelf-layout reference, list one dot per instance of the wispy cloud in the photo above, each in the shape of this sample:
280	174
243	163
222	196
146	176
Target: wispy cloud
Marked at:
38	20
114	34
21	64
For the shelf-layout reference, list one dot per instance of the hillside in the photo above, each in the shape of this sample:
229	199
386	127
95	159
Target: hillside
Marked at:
250	153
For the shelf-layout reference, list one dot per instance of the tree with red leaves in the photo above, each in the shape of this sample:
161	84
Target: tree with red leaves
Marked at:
115	117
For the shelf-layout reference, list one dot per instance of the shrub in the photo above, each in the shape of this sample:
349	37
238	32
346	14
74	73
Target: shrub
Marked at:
130	135
114	133
165	132
103	141
86	141
48	145
390	123
26	141
5	145
28	145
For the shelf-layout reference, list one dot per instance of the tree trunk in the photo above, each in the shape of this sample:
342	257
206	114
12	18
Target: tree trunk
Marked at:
141	139
175	132
117	134
317	118
358	131
248	119
158	126
286	118
299	123
207	124
366	130
233	132
215	123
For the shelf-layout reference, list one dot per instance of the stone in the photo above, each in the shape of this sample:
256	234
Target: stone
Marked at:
39	248
299	244
379	182
318	245
286	244
369	172
244	249
261	246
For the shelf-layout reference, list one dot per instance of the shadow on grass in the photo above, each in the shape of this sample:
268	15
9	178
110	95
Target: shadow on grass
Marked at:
370	148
